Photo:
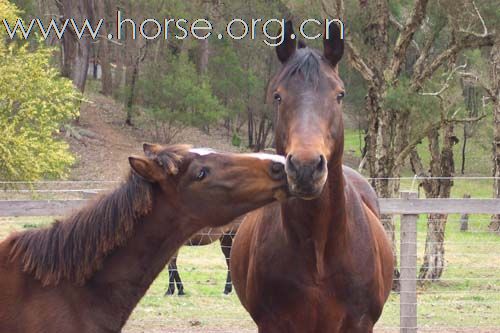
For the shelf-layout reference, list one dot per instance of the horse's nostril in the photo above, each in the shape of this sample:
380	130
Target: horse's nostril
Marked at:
290	163
321	163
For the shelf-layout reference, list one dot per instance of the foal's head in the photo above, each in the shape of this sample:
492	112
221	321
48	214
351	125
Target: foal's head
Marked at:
307	94
212	187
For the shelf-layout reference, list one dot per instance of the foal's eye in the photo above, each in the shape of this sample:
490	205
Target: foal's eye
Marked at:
340	96
202	174
277	97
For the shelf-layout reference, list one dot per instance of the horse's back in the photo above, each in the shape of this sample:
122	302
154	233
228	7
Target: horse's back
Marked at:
364	189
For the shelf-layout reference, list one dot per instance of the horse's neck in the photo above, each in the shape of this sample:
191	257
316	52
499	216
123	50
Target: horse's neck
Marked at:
129	271
322	221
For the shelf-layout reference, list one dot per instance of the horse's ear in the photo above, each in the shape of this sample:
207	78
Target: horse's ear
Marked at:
333	43
145	168
287	48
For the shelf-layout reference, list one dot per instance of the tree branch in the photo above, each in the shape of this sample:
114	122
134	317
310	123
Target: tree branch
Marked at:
416	141
469	41
481	82
485	29
405	38
446	83
400	159
399	27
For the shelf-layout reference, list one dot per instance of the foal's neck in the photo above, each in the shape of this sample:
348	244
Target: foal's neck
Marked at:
129	271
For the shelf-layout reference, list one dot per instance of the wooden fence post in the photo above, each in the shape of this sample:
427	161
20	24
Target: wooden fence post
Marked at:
408	270
464	219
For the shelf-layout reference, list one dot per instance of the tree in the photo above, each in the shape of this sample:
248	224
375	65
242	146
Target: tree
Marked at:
103	9
76	51
34	102
179	98
438	182
416	50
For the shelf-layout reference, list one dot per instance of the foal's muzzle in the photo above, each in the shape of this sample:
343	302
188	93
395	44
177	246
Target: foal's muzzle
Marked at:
306	177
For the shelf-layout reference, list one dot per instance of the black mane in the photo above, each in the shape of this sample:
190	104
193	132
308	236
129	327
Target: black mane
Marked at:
306	62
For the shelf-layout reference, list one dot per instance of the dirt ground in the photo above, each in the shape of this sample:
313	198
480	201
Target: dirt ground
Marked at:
106	142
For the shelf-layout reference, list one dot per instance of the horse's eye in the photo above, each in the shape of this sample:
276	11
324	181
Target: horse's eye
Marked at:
277	97
340	96
202	174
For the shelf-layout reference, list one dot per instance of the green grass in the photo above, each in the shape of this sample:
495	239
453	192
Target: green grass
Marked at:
467	297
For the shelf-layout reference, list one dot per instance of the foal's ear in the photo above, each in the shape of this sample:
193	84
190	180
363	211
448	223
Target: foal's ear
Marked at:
287	48
151	149
333	43
145	168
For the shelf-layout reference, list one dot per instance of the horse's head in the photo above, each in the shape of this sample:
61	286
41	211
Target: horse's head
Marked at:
210	186
307	94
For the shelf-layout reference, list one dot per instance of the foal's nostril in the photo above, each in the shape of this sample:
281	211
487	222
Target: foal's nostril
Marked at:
277	168
277	171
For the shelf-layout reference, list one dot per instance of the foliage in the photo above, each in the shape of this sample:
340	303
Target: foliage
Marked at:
180	97
398	98
236	140
34	102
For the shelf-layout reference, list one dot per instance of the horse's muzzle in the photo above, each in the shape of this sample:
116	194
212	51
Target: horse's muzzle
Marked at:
306	178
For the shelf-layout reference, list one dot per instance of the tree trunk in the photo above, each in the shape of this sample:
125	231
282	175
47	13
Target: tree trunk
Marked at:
204	56
441	165
464	218
103	10
76	52
495	81
433	265
133	73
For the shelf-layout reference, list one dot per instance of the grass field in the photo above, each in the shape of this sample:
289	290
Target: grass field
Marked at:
466	300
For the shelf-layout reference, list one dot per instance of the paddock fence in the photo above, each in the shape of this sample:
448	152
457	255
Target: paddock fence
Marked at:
465	298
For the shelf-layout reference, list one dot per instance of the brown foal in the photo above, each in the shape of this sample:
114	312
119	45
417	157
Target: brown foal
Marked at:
87	272
319	262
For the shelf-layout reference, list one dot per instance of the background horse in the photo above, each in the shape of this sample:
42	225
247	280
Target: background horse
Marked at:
320	262
87	273
207	236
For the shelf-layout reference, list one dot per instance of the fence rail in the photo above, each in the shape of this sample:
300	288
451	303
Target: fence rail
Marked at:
408	206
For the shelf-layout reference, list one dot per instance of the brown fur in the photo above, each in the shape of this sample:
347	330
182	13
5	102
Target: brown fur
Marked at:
74	248
319	262
86	273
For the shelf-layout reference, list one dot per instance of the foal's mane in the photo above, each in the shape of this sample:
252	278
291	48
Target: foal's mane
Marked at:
74	249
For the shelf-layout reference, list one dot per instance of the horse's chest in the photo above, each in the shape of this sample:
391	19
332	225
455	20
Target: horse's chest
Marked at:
292	293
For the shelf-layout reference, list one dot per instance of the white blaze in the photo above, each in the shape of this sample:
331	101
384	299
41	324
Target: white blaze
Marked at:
202	151
260	156
264	156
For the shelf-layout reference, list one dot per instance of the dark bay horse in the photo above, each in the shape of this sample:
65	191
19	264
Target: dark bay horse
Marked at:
207	236
86	273
319	262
